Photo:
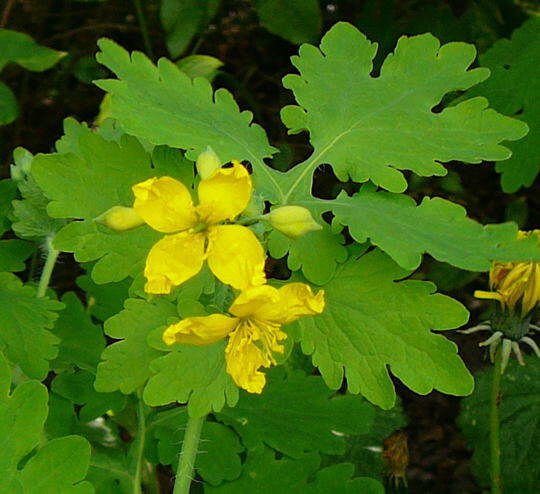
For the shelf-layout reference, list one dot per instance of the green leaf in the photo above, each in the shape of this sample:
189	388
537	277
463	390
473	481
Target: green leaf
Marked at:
520	426
297	22
57	465
81	341
386	124
200	66
218	459
195	116
183	19
126	363
30	214
104	301
8	192
298	414
25	321
109	472
263	474
23	50
371	322
192	374
513	88
96	175
79	389
318	254
394	223
9	109
13	253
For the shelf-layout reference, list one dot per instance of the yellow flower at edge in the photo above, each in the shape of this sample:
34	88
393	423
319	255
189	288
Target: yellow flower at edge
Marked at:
253	328
233	252
513	282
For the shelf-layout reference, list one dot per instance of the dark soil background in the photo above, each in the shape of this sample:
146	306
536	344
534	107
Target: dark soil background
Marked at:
255	61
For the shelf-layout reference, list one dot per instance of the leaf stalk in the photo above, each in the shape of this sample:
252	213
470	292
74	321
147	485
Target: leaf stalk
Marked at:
186	462
50	261
494	425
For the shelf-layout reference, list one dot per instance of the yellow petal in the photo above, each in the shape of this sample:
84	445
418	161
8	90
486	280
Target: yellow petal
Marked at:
173	260
165	204
200	330
295	300
244	359
225	194
252	300
236	256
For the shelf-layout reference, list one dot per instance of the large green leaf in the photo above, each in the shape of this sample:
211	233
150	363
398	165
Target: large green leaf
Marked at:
520	426
369	128
394	223
164	106
297	22
13	253
57	466
25	322
513	89
372	322
297	414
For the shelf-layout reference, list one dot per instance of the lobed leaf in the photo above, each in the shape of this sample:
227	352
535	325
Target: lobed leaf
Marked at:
371	322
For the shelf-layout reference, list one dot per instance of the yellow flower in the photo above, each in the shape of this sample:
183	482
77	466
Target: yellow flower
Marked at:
254	329
514	282
233	252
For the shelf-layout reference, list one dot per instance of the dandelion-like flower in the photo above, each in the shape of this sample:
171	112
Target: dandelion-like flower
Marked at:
516	286
196	233
253	328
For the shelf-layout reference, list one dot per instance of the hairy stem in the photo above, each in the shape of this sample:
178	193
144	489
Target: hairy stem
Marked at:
494	426
50	261
139	451
144	29
184	472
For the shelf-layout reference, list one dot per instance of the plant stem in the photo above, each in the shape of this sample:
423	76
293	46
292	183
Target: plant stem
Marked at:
144	29
141	437
184	472
494	426
50	260
252	219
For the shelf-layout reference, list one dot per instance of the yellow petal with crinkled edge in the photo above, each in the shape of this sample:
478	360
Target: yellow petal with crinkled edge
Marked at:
244	359
297	300
173	260
204	330
164	204
252	300
225	194
235	256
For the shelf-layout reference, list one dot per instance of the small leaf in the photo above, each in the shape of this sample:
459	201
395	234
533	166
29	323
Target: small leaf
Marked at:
13	253
298	22
25	321
9	109
200	66
318	254
126	363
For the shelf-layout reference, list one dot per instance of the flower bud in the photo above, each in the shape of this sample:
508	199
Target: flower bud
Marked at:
120	219
293	221
207	163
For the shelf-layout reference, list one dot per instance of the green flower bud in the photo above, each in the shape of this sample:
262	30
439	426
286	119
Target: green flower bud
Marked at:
207	163
293	221
120	219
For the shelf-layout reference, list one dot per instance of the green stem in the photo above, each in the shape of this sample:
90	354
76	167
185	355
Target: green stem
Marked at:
184	472
494	426
144	29
141	438
252	219
50	261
